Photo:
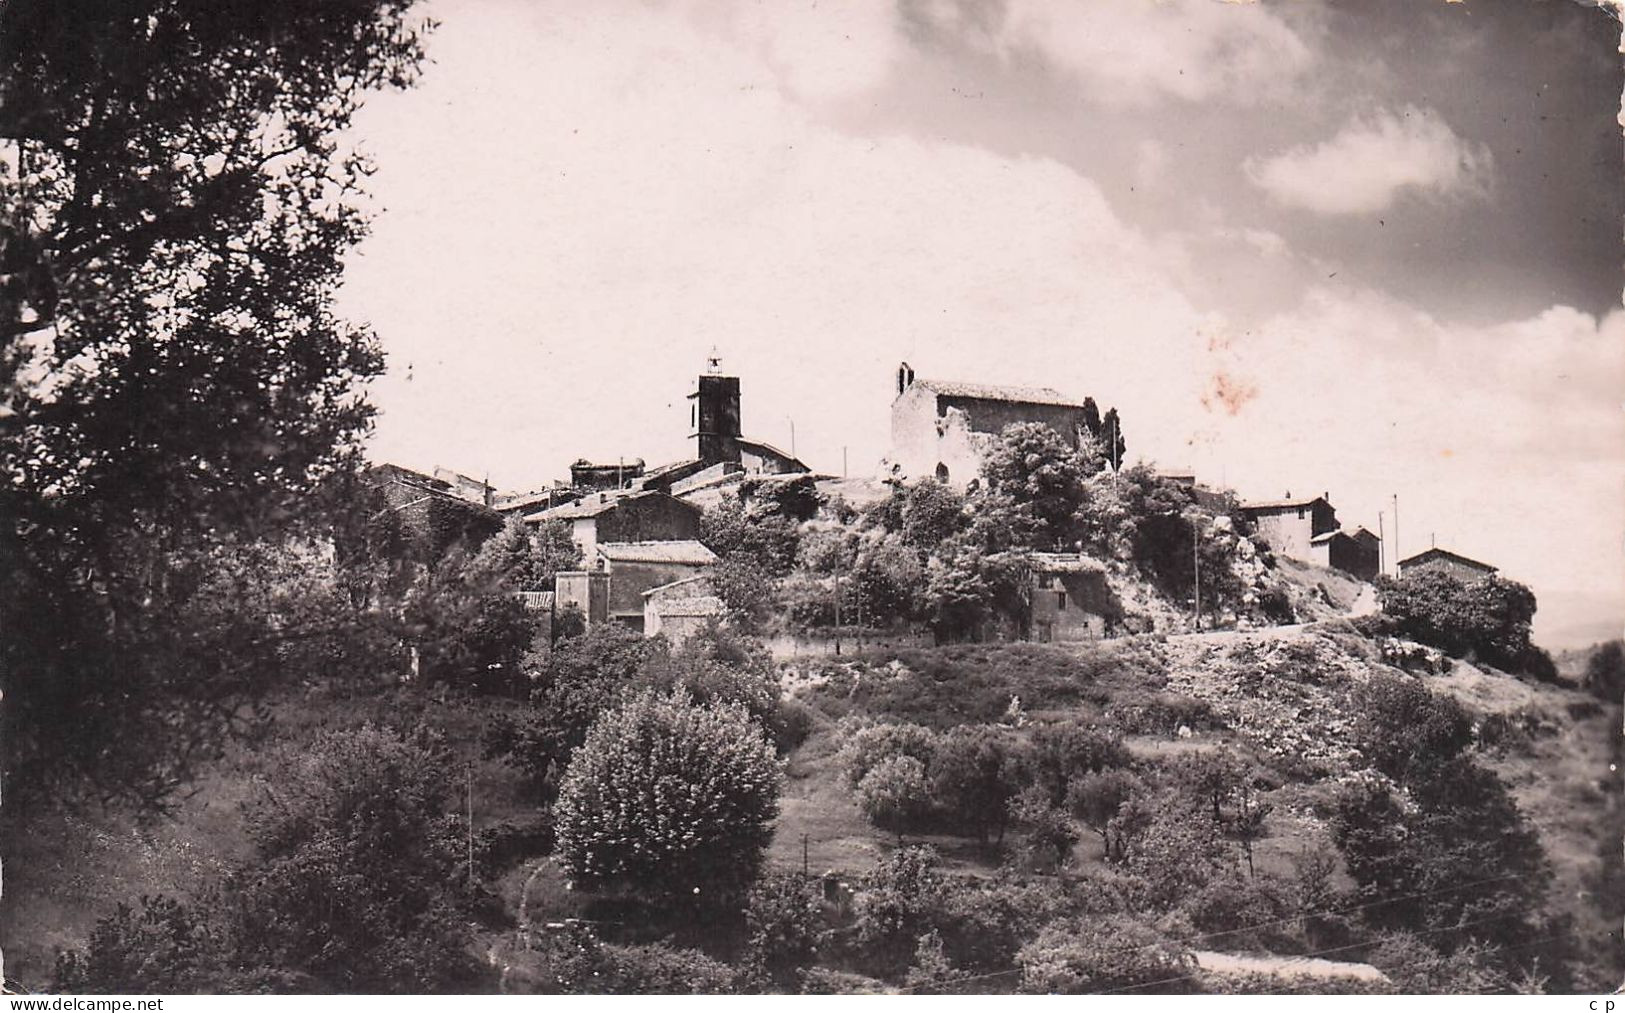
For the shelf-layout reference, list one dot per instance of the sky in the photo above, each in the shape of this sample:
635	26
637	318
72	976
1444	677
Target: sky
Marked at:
1364	247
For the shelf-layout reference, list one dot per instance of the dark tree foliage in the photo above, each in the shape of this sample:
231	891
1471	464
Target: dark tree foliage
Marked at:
733	531
976	772
1111	439
172	375
782	918
1605	670
1091	417
797	499
1065	751
902	899
1404	730
1488	618
360	881
1033	466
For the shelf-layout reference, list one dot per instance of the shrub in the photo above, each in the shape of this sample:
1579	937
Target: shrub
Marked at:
1402	728
662	970
975	773
782	918
901	900
1065	751
670	797
1103	955
895	794
1605	671
361	875
864	746
1489	617
716	665
166	947
984	923
1097	798
1050	833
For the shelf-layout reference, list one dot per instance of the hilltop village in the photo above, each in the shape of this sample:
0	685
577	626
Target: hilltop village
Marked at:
638	527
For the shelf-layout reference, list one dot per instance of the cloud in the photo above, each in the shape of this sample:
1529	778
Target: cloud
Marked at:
1143	52
1372	161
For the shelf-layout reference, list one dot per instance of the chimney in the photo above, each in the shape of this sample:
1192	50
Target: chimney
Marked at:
905	377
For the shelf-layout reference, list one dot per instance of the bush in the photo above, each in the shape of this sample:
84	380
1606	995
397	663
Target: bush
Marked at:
864	746
901	900
361	881
1402	728
975	773
669	797
1050	833
984	924
894	794
716	665
662	970
782	919
1605	671
1065	751
165	948
1488	618
1103	955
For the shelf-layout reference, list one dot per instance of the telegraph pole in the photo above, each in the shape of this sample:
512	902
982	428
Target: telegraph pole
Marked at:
470	771
1397	556
1382	546
1196	561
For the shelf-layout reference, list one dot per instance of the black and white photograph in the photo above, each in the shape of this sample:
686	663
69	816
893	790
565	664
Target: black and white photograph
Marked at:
811	497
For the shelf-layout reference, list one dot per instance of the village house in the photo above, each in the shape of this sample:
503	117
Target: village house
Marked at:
1357	553
627	516
944	429
622	571
681	609
1070	599
1289	526
431	510
1445	561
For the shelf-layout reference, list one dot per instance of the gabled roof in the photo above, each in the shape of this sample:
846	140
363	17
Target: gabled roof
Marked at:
1066	562
989	392
686	551
598	503
698	580
1446	554
758	446
1285	504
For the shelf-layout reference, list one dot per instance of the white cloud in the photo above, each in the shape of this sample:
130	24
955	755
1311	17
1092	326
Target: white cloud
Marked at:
1137	51
1372	161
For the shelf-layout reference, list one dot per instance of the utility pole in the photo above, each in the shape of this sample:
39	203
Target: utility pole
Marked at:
837	607
843	462
1397	556
1382	546
792	436
1196	561
805	865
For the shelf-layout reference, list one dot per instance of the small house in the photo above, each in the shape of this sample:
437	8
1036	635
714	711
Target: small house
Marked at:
681	609
1445	561
1289	525
635	567
1070	599
1357	553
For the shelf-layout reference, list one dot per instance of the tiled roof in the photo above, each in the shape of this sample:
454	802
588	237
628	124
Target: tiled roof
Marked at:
691	608
1446	554
989	392
1284	504
684	551
758	446
694	584
593	505
1066	562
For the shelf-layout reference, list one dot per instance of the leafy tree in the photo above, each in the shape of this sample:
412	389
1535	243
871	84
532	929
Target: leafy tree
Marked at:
1111	436
1404	729
172	374
669	797
864	746
796	499
975	774
522	558
771	540
931	973
895	793
888	577
1091	417
361	880
1033	466
1050	833
1605	670
1065	751
984	923
1488	618
1462	843
1097	798
1172	853
747	590
782	918
902	899
930	513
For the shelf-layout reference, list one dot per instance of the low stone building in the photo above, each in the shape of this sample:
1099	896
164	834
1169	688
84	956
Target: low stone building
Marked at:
1357	553
944	429
432	512
624	517
1289	525
681	609
1071	599
586	591
1445	561
589	476
635	567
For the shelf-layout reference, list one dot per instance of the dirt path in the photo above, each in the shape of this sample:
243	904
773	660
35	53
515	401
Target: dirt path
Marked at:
1285	967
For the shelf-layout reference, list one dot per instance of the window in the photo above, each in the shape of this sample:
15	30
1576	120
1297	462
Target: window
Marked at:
1060	600
942	472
